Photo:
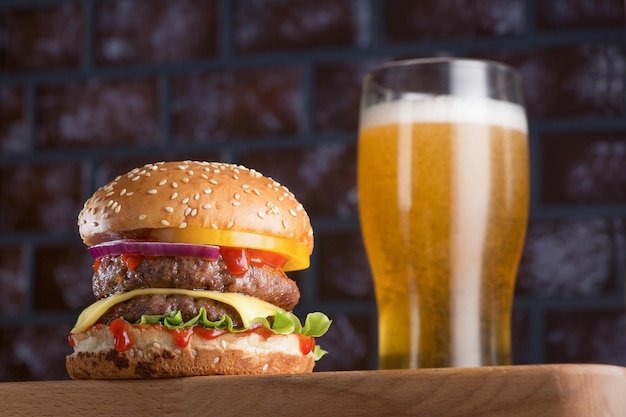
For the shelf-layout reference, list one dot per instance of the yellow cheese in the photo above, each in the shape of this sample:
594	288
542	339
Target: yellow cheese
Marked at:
248	307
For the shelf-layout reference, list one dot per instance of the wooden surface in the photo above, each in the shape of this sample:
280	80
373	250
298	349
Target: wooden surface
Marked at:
514	391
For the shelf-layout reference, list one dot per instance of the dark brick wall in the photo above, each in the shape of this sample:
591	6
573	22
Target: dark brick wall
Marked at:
89	89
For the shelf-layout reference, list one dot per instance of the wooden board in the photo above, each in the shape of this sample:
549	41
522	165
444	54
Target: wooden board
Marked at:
514	391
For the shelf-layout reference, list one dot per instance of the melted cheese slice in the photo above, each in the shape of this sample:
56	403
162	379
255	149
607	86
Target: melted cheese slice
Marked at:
248	307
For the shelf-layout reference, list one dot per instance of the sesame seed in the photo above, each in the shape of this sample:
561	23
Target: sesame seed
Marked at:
115	204
110	193
182	167
165	222
216	360
281	198
293	212
284	224
245	186
142	217
212	181
237	196
214	226
135	178
152	191
173	196
206	206
257	192
128	194
109	203
230	224
194	212
169	209
185	180
236	177
174	184
265	367
182	225
196	196
204	176
190	172
208	191
123	191
163	182
236	203
187	211
105	216
261	214
185	200
118	208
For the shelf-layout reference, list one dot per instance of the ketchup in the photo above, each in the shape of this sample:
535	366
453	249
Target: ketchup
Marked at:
307	344
182	336
121	337
131	261
96	264
238	260
208	334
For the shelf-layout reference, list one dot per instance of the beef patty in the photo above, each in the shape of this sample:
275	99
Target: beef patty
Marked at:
133	309
113	275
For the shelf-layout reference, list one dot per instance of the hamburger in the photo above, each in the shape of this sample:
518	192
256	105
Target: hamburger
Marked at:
189	276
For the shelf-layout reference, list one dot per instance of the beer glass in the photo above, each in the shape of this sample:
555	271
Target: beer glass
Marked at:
443	189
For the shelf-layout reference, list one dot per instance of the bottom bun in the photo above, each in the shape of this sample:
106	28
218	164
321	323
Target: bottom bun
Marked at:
155	354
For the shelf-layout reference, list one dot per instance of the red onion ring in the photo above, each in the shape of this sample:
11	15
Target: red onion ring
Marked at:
135	247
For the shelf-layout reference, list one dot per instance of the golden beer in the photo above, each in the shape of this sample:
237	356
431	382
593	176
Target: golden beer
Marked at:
443	203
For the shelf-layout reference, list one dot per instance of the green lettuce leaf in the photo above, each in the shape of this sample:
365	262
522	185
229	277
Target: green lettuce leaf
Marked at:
284	322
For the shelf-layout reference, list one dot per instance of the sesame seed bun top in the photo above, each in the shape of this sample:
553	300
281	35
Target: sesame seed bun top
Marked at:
186	196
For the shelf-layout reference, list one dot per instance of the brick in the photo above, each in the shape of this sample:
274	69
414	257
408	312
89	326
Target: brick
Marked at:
349	342
583	167
34	352
134	32
323	179
580	14
567	258
343	267
13	281
43	197
98	113
13	123
220	105
586	337
338	94
63	278
274	25
407	20
582	80
42	38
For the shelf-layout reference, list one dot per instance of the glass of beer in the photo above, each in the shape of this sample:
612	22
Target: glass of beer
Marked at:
443	183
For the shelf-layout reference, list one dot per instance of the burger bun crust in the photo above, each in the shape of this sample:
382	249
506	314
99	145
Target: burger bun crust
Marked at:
192	194
155	354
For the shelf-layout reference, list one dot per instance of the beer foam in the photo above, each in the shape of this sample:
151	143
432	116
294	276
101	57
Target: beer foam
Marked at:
422	108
